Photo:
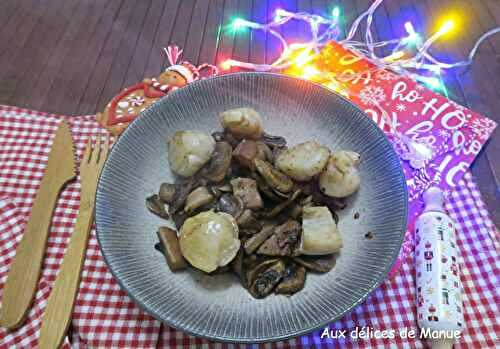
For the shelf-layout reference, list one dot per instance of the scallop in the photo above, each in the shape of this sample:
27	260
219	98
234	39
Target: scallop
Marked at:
341	176
320	234
209	240
303	161
188	151
242	123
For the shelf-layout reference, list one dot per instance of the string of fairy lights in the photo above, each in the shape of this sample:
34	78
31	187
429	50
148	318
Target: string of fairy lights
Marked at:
410	54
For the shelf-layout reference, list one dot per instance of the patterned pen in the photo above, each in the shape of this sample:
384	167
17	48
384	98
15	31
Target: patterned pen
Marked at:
439	297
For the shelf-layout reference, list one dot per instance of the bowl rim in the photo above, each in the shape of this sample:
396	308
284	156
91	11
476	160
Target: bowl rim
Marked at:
293	334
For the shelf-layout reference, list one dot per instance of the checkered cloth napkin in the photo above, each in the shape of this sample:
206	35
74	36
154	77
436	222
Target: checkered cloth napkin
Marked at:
104	316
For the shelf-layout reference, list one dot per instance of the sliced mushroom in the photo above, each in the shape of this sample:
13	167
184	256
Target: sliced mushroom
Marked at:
230	204
320	264
341	177
182	189
275	178
293	280
237	265
170	248
284	241
264	277
179	218
255	241
167	192
188	151
266	190
319	232
197	198
246	190
248	221
209	240
264	152
273	141
219	164
281	206
303	161
242	122
156	206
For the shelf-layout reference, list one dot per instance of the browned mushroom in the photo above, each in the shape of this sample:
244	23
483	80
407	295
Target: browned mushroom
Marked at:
156	206
167	192
246	190
275	178
273	141
219	163
170	247
281	206
284	241
182	189
247	220
293	280
255	241
197	198
237	265
264	277
179	217
264	152
230	204
321	264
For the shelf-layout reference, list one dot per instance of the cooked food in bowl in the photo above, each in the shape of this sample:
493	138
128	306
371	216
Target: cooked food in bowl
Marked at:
245	202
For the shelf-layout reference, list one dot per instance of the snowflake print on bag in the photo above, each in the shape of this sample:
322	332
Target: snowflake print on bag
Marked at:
482	128
386	75
400	107
372	95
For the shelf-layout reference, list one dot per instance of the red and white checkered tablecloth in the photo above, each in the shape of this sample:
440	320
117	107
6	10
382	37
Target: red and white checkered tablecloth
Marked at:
105	317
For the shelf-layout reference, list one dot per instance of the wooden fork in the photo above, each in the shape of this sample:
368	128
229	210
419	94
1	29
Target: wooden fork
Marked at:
57	316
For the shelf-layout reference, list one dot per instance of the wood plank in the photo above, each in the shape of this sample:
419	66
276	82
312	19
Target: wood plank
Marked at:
99	75
241	49
213	29
163	34
61	97
8	13
42	84
144	46
493	7
13	39
82	79
258	38
182	22
350	13
225	50
196	30
30	61
122	60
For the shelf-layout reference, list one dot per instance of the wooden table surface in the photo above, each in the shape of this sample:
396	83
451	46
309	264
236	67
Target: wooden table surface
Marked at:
73	56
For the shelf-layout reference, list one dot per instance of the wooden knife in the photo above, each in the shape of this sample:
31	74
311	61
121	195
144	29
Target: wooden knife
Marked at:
22	279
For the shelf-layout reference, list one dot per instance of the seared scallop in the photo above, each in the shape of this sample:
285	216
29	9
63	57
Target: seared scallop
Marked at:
188	151
209	240
303	161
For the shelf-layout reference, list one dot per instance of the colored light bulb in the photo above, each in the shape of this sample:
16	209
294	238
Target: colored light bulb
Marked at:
226	65
413	36
446	27
336	12
239	23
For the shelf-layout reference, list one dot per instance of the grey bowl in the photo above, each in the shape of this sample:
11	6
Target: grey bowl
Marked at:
218	307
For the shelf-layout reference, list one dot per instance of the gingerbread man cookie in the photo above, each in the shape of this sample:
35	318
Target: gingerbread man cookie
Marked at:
133	100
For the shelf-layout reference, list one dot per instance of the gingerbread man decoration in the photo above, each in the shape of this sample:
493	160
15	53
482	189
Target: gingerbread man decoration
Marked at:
133	100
